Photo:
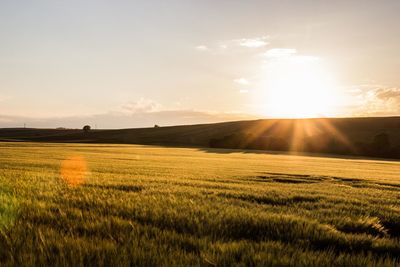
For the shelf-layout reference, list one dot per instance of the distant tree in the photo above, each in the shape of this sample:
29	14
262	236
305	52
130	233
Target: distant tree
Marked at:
156	126
86	128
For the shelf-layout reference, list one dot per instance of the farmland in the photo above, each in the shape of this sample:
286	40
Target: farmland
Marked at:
373	137
124	205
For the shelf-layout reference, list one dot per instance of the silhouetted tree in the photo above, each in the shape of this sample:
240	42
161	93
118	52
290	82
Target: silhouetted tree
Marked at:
86	128
156	126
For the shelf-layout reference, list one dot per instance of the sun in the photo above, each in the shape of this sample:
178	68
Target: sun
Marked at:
298	87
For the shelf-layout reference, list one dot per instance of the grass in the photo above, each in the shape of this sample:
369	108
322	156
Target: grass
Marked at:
129	205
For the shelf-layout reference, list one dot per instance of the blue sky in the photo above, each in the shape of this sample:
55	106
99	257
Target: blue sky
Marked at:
191	61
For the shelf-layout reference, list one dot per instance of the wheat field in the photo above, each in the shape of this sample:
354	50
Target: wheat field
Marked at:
130	205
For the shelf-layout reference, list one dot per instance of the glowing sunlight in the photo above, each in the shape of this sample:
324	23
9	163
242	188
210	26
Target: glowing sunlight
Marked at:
299	87
74	170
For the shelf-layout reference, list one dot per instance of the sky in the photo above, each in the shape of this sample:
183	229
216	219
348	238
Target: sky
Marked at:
123	64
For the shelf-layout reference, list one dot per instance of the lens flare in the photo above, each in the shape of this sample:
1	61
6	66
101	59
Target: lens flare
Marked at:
74	170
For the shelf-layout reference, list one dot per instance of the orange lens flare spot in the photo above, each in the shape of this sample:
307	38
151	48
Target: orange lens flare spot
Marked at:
74	170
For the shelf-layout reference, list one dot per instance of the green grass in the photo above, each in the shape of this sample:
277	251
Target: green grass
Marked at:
154	206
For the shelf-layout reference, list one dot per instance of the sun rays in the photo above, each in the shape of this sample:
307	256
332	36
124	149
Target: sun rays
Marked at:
300	135
319	135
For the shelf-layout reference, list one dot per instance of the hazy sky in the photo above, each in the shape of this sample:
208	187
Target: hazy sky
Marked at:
145	62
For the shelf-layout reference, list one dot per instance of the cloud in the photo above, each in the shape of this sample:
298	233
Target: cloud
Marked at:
388	94
142	105
135	114
287	55
376	101
119	120
253	43
256	42
241	81
201	48
280	52
353	90
6	119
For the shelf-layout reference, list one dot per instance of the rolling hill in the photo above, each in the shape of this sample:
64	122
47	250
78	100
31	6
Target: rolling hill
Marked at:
378	136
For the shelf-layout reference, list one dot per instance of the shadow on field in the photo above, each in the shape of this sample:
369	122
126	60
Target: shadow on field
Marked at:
120	187
271	200
289	153
288	178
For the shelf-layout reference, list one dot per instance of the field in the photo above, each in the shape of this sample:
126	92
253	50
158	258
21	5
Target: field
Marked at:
371	137
130	205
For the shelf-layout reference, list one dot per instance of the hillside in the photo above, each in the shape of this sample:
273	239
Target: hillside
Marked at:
358	136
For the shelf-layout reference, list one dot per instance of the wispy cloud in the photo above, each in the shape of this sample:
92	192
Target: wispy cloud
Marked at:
280	52
143	112
201	48
5	120
141	105
375	100
291	54
115	120
253	42
242	43
241	81
388	94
